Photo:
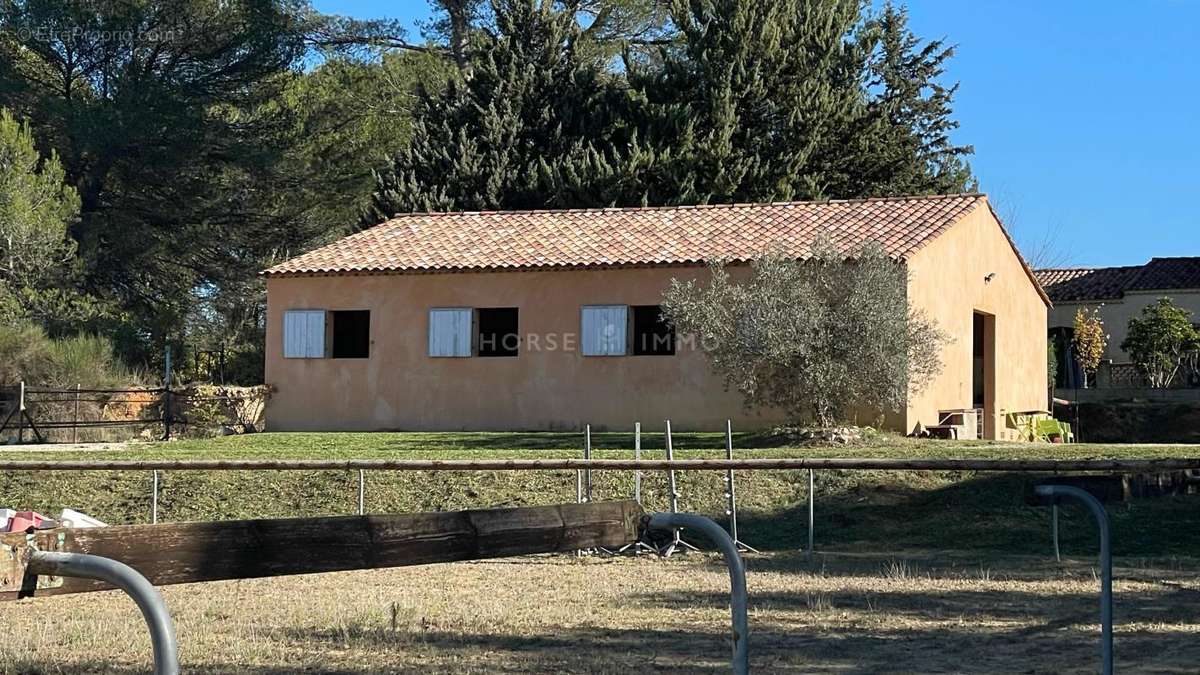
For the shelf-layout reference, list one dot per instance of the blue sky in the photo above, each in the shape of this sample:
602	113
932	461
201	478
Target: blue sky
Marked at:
1085	117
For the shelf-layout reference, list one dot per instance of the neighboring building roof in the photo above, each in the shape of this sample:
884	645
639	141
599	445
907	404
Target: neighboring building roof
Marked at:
1162	274
1082	284
1111	283
508	240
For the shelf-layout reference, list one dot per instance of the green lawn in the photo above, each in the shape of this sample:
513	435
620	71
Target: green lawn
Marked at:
570	444
856	510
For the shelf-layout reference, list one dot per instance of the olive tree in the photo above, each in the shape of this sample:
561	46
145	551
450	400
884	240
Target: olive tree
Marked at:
1162	342
818	338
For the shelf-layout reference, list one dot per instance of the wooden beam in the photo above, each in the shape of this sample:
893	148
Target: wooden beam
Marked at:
180	553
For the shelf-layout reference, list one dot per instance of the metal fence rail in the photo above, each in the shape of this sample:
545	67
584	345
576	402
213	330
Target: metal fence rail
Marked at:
59	409
880	464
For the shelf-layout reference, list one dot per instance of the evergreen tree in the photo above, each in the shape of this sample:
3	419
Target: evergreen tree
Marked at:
536	124
901	143
798	99
36	254
741	108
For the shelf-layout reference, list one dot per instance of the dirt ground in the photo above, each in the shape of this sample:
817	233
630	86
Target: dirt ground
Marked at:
927	613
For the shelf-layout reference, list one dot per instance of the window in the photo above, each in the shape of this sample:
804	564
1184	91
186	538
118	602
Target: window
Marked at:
351	334
498	331
653	335
604	330
450	332
304	334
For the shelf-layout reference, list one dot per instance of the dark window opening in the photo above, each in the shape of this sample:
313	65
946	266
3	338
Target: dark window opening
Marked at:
351	332
499	333
653	335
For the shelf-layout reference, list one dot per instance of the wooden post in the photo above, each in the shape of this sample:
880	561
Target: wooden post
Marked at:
177	553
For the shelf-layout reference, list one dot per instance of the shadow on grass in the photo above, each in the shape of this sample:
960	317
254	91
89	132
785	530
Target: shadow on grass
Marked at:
985	513
1045	611
574	440
1045	648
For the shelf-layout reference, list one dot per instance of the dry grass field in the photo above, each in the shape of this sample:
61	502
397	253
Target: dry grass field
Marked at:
935	572
864	613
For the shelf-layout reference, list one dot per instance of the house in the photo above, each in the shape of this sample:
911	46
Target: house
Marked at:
549	319
1120	294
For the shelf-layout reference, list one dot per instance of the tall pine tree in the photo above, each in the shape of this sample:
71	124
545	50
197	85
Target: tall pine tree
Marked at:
535	123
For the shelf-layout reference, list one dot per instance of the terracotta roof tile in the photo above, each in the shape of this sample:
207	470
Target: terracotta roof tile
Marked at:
500	240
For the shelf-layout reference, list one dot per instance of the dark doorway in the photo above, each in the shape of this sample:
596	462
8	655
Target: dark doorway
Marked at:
983	367
977	351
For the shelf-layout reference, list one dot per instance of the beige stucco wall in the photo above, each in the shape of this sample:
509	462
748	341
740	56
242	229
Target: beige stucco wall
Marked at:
1117	313
948	283
400	387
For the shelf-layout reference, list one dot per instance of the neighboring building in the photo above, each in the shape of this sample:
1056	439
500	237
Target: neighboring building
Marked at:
1120	293
550	320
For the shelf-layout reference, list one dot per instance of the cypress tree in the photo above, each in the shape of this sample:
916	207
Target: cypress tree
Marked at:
535	124
798	99
750	95
901	144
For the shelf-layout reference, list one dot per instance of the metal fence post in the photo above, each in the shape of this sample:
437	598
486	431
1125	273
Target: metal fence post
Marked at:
154	498
811	510
730	496
587	455
362	492
167	396
75	421
731	492
638	546
676	540
1054	531
124	577
637	455
737	577
21	413
1054	493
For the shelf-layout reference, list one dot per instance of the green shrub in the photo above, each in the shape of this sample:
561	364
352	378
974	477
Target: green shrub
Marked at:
88	360
27	354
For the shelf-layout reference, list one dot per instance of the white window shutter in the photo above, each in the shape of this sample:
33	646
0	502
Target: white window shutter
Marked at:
604	328
293	335
450	332
304	334
315	340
